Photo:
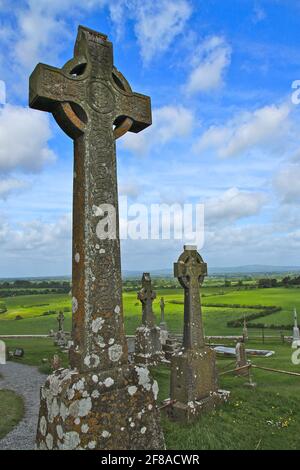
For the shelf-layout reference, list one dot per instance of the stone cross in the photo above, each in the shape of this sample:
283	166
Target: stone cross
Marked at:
245	329
162	310
2	352
93	103
60	320
296	333
146	295
190	271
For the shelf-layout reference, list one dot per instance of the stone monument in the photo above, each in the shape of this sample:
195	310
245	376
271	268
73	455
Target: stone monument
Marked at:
194	384
2	352
148	348
60	338
241	358
245	329
163	326
296	333
60	321
100	402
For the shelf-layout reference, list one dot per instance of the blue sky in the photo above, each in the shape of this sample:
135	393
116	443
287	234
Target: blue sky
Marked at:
225	130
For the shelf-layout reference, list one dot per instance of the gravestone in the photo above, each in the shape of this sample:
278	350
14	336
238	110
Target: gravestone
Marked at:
194	384
241	358
296	333
55	362
18	353
60	338
164	334
148	348
242	361
60	320
162	324
171	346
100	402
2	352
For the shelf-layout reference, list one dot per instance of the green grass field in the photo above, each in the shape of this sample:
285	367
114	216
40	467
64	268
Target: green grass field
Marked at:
266	417
32	307
11	411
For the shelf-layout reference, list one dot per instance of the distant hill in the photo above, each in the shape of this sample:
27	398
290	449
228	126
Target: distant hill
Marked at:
226	270
213	271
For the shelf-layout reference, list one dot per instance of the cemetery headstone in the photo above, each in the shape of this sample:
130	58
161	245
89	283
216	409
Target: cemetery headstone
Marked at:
242	361
18	353
60	338
100	402
2	352
55	363
148	348
194	381
241	358
163	326
60	320
296	333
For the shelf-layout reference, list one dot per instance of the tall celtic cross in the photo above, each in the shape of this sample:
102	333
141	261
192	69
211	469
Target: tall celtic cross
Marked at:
94	104
146	295
162	310
190	271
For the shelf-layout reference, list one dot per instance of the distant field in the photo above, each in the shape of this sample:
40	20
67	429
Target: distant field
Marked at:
266	417
32	307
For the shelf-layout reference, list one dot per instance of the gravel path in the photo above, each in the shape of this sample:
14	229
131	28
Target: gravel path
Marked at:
26	381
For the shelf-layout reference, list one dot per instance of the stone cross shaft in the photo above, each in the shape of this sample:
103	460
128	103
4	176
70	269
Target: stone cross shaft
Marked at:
146	295
60	320
162	310
94	104
190	271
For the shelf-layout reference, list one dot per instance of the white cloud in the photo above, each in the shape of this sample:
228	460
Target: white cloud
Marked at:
210	61
37	237
259	14
23	139
169	122
43	31
246	131
233	205
158	23
286	183
7	186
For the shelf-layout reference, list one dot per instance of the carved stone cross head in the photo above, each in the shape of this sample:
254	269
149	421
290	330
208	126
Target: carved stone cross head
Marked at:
146	295
60	320
94	104
190	267
89	87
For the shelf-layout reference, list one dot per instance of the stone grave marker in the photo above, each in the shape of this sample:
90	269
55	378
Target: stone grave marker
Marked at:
148	348
245	329
241	358
164	334
194	379
296	333
2	352
100	402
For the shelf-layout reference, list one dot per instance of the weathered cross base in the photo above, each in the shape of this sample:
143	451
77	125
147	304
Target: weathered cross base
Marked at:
188	412
194	386
148	348
113	410
164	335
61	339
